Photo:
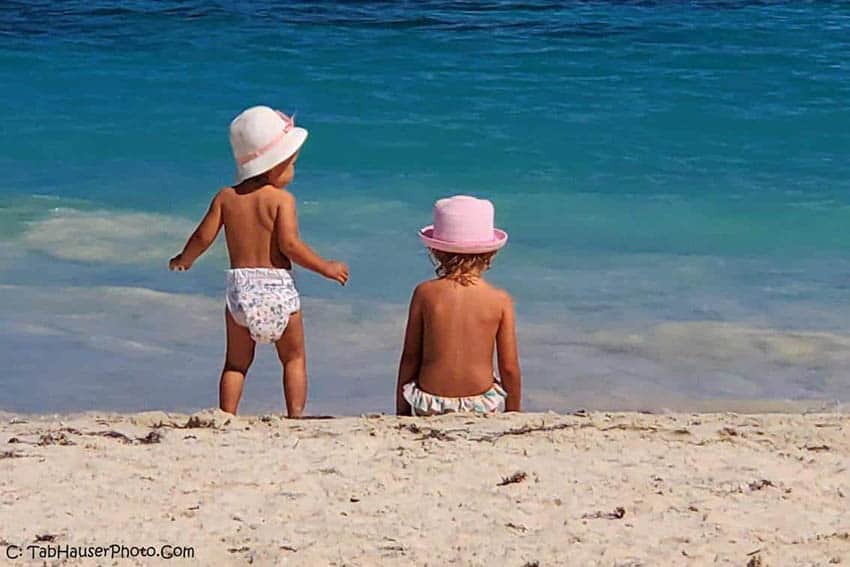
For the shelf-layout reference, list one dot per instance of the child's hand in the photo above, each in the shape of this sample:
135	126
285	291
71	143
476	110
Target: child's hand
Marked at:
337	271
177	264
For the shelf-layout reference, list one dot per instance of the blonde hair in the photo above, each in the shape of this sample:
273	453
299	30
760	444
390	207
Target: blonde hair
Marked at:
461	268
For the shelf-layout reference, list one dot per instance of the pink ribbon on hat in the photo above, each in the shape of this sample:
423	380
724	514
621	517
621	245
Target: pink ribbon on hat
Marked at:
289	125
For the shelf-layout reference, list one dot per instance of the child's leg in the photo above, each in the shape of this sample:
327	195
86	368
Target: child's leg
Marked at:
290	351
240	355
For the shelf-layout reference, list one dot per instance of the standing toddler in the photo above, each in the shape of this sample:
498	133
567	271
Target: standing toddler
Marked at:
261	229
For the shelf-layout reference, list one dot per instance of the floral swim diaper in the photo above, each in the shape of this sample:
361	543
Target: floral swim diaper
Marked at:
262	299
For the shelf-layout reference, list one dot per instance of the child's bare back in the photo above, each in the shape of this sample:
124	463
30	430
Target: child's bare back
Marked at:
252	222
460	330
261	229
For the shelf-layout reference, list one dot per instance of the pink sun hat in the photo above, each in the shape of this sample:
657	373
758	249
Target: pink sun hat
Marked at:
261	138
463	225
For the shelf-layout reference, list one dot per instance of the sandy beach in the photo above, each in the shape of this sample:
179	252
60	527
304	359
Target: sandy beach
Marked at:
516	490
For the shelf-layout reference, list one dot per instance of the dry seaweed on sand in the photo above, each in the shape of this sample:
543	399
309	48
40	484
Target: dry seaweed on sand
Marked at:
759	484
526	429
112	434
513	479
629	427
151	438
198	422
12	455
58	438
242	549
617	514
426	432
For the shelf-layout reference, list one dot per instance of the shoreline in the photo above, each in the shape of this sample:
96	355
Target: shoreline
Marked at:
618	488
533	397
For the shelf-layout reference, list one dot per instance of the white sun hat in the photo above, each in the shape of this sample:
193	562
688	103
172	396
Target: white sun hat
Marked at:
261	138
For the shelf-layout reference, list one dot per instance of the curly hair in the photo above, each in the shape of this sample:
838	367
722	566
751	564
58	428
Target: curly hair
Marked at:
461	268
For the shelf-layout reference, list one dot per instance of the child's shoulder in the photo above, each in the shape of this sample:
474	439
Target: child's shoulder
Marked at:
505	297
428	289
276	195
223	194
497	296
500	294
424	287
284	195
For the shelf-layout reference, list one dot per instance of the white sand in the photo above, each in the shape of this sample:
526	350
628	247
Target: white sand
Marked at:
694	489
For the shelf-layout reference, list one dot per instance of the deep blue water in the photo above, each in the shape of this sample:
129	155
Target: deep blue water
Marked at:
674	177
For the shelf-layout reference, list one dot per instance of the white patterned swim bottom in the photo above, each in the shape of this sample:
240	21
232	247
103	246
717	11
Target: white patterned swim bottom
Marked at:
423	403
262	299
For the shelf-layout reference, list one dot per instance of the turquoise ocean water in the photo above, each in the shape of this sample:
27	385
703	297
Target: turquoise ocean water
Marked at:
674	177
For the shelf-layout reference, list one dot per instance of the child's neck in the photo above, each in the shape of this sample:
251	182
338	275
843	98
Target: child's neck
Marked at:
466	278
251	185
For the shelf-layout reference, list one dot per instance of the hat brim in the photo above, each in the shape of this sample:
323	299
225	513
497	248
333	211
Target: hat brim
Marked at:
278	153
500	238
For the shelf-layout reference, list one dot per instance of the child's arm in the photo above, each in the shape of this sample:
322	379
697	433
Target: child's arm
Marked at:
508	357
201	239
411	356
290	243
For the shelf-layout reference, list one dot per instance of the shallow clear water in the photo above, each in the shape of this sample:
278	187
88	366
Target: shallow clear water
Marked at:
674	179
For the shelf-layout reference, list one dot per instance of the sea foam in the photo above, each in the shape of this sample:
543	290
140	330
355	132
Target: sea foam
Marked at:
107	236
